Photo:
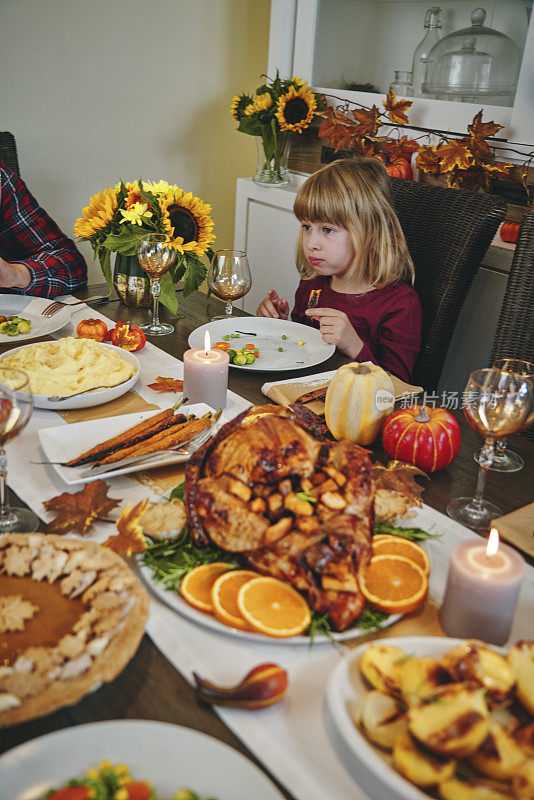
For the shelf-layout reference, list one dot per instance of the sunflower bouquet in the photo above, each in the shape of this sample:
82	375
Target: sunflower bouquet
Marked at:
116	217
278	107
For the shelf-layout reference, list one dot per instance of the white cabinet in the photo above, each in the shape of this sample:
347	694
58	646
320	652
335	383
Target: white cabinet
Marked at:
267	230
333	43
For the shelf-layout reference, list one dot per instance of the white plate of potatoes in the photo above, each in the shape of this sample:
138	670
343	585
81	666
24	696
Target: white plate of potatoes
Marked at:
436	717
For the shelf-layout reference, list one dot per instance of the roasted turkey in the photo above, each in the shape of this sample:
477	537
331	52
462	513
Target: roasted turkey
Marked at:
295	505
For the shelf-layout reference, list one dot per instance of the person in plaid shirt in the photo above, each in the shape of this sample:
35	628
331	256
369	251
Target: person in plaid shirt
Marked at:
35	256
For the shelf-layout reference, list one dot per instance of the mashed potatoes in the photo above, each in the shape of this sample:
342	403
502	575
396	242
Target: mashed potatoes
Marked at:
69	366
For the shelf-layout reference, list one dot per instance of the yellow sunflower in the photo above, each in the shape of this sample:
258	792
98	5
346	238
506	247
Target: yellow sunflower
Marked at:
262	102
238	105
97	214
186	219
295	109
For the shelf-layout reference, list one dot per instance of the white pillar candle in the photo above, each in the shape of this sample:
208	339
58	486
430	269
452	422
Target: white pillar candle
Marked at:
206	375
482	590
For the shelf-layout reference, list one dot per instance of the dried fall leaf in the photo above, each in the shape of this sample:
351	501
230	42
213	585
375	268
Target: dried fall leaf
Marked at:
481	130
78	511
166	385
402	148
130	538
454	155
396	109
428	160
399	477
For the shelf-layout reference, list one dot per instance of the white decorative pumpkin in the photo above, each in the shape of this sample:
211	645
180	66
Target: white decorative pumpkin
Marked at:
358	399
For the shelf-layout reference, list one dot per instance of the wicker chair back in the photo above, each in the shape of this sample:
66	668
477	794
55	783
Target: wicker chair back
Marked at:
447	232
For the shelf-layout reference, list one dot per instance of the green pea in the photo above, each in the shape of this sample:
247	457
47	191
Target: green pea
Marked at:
226	337
284	336
238	336
280	349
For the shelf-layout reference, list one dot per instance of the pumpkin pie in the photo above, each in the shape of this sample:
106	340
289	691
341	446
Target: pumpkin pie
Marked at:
72	615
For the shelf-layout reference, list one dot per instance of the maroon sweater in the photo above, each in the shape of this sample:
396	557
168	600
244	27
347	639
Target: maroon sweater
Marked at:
387	320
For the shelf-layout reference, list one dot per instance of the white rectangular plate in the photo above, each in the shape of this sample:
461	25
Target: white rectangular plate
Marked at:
65	442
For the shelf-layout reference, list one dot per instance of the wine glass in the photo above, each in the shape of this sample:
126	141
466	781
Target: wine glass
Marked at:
16	406
229	278
156	257
495	404
505	460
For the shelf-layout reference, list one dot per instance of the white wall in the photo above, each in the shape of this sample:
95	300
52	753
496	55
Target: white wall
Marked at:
98	90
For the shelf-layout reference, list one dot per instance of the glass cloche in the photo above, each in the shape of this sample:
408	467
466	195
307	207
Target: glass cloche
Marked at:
474	64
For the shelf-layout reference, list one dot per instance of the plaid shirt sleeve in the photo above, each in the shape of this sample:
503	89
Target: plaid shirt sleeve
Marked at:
29	236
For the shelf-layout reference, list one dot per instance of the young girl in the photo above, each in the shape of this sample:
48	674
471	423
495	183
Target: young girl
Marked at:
352	257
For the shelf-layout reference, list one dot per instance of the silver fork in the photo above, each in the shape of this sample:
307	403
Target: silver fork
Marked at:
54	307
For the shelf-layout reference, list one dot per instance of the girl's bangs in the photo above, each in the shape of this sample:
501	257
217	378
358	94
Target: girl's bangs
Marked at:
318	200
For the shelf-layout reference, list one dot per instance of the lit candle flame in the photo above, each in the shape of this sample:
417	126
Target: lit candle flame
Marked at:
493	542
207	342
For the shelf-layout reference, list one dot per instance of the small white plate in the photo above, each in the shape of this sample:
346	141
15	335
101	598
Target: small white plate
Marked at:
346	690
91	398
268	338
176	602
169	756
31	308
65	442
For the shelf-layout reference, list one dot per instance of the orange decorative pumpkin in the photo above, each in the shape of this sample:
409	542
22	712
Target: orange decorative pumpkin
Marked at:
509	231
427	437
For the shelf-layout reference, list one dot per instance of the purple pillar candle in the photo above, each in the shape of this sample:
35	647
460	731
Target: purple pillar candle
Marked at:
206	375
482	590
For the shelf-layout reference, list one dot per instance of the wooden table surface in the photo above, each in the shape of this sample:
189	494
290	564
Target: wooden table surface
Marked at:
150	687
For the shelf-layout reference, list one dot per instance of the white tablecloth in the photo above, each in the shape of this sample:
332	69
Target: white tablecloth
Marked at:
295	739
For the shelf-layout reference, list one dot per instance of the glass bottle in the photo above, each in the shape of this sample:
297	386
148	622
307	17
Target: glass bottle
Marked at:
420	57
402	85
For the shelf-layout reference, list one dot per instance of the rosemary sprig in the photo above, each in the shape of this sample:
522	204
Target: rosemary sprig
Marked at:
319	626
370	619
171	560
413	534
309	498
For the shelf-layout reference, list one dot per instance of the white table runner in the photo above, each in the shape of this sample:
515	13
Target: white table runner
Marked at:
295	739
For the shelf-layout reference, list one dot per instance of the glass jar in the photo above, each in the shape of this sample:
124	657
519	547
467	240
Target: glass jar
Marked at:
422	51
402	84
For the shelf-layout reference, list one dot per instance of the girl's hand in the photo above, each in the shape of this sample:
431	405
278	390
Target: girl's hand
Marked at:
273	306
336	328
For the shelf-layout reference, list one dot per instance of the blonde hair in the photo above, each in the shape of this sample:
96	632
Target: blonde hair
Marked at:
355	194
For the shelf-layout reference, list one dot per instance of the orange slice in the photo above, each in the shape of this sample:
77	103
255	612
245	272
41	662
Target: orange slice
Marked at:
397	546
224	597
273	607
394	584
196	585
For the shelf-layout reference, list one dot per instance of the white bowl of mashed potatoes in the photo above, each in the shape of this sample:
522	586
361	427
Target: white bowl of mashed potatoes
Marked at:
67	366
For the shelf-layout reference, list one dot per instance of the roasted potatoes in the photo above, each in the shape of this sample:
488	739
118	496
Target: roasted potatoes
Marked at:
452	721
378	666
473	661
382	720
419	677
499	755
455	789
419	766
521	659
523	781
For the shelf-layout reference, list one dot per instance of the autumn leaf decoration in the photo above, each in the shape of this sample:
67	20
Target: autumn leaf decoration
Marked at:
468	162
78	511
130	538
166	385
357	128
400	477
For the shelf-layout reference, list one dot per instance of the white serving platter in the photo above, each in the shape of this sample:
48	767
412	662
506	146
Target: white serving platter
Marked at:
65	442
169	756
176	602
31	308
95	398
266	334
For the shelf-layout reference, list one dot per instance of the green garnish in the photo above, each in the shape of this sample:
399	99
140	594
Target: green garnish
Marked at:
178	493
370	619
171	560
319	626
413	534
307	497
403	659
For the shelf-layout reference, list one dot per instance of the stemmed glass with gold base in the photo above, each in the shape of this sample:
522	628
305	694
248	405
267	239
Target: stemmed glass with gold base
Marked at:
496	404
156	257
16	406
506	460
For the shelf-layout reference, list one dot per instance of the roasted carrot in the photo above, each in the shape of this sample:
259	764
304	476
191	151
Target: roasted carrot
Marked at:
317	394
129	437
160	441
